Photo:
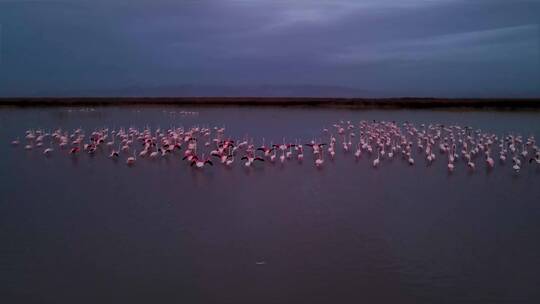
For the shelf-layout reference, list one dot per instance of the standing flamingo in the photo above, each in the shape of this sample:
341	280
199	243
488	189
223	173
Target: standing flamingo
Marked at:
199	163
49	150
131	160
320	159
376	161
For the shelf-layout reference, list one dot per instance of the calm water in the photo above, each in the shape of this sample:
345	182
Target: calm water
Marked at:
94	231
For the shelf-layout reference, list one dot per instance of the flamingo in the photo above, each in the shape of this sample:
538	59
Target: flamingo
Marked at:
282	156
199	163
230	160
155	153
273	156
111	143
131	160
289	153
517	164
376	161
48	151
266	150
316	147
300	155
283	147
471	165
451	167
331	151
189	155
319	161
250	160
358	151
489	161
451	161
144	152
535	159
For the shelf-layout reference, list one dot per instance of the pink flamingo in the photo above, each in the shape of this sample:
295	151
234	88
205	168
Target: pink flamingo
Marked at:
131	160
199	163
320	160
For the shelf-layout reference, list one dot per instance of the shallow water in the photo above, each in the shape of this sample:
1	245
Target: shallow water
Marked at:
89	230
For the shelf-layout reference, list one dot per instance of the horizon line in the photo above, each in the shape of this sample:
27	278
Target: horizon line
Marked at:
405	102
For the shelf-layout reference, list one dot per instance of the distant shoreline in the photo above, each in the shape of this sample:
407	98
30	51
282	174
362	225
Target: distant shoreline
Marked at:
359	103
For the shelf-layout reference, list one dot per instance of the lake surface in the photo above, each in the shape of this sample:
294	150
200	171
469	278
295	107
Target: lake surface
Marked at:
91	230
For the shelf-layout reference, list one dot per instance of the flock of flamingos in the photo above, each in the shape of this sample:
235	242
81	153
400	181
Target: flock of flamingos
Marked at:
382	140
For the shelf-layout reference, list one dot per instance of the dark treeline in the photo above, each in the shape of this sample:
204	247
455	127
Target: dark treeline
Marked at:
396	103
